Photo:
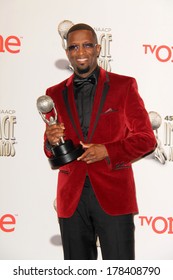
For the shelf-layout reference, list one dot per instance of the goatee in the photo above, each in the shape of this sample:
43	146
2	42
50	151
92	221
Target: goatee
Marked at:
83	71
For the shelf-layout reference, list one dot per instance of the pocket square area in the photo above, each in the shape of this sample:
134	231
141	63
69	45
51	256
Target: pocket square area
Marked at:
110	110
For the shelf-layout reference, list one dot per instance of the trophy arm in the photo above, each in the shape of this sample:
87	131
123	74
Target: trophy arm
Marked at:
43	117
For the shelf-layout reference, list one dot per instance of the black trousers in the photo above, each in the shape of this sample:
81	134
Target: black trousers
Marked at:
79	232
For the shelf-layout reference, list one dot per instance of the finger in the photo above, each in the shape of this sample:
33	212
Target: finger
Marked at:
54	136
85	146
84	156
62	126
90	160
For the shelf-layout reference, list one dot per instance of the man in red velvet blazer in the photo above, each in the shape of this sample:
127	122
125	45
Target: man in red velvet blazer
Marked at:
96	193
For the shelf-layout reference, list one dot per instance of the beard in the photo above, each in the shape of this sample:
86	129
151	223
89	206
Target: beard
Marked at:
83	71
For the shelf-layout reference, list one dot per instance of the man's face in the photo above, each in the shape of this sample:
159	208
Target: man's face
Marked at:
82	52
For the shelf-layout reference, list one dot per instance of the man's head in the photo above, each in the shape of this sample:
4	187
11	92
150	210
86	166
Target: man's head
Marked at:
82	49
82	26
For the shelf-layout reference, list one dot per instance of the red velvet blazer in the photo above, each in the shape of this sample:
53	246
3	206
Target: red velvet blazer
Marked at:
123	126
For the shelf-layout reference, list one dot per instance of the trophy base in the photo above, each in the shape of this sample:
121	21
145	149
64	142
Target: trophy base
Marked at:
60	160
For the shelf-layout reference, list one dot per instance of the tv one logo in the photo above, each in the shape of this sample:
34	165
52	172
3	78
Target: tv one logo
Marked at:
7	223
159	225
11	44
162	53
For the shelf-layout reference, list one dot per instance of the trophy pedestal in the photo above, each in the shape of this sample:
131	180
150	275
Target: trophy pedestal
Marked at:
65	153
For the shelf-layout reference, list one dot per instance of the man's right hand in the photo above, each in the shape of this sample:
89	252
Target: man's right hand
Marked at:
54	133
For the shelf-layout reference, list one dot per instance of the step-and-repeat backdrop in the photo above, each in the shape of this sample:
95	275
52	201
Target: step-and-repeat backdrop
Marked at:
136	39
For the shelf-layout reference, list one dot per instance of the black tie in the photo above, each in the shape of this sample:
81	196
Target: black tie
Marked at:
80	82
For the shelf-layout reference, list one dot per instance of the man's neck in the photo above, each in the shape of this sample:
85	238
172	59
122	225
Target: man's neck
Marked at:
86	75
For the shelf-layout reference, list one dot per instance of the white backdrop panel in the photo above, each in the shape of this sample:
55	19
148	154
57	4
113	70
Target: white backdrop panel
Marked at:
141	46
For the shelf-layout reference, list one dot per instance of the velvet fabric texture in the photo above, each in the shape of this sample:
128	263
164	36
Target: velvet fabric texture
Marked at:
123	127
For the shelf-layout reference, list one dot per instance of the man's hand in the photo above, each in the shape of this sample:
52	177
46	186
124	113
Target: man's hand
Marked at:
93	153
54	133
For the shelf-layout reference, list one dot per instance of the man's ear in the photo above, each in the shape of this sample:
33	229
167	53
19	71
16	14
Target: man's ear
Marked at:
66	51
98	50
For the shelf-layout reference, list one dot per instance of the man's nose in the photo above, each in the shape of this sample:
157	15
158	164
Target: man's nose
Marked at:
81	49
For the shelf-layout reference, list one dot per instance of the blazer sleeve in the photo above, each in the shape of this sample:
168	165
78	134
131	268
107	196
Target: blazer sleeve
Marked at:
140	139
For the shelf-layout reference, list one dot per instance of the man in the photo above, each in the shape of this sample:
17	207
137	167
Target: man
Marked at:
96	192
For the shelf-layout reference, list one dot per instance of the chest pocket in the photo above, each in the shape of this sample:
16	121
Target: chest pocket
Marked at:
110	125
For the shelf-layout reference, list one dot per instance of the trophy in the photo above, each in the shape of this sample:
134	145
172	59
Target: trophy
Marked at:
65	151
63	29
156	122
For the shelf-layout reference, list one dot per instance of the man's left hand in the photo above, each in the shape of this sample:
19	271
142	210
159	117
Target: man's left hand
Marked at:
93	152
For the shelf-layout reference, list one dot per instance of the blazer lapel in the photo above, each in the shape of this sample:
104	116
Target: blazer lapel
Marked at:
99	99
68	95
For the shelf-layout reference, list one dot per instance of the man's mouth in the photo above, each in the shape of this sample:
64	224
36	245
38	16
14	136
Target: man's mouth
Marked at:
82	60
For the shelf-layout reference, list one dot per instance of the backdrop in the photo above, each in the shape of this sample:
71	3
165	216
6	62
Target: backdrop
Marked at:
136	39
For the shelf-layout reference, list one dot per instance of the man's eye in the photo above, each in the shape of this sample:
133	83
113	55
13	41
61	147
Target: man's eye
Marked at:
88	45
73	48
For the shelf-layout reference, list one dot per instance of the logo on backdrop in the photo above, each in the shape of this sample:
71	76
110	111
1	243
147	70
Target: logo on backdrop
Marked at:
162	53
164	149
159	224
7	223
168	136
7	133
10	44
104	39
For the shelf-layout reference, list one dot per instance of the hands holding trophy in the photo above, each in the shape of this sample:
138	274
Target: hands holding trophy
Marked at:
64	151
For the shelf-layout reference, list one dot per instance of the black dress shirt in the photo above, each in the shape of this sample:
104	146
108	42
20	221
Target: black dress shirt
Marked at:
84	98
